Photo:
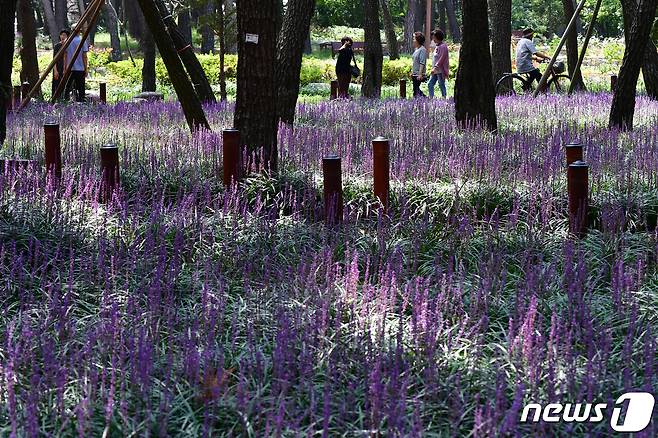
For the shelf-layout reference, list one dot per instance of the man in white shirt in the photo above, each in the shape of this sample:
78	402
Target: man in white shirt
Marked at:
526	52
79	67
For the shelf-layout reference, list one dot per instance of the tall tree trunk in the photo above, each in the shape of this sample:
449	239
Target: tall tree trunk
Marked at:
61	14
501	35
572	46
8	8
650	63
49	13
623	101
308	47
255	105
373	57
389	28
192	108
186	54
409	25
28	27
207	34
113	28
185	24
149	82
442	14
475	97
455	32
221	33
290	49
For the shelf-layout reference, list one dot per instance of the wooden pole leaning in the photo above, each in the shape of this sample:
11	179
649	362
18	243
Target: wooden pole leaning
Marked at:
563	40
67	72
588	35
57	57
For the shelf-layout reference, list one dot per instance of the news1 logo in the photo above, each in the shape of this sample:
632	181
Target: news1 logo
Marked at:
638	414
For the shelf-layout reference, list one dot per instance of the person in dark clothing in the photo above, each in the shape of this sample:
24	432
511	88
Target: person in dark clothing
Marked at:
344	67
58	71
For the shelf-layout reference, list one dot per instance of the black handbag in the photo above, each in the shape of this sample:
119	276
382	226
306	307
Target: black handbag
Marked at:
354	69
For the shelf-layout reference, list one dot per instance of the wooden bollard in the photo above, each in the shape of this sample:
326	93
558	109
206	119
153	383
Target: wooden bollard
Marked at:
381	169
102	92
613	83
333	190
334	90
17	97
574	152
52	150
232	155
25	92
403	88
578	188
110	178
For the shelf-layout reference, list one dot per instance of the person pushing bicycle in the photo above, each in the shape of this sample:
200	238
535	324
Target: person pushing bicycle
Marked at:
526	52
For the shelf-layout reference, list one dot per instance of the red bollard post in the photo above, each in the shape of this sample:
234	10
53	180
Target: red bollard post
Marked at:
403	88
578	188
53	151
103	92
109	171
381	169
231	153
333	190
334	90
613	83
25	91
574	152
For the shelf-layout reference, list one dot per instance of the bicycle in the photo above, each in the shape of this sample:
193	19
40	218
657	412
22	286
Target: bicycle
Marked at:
558	82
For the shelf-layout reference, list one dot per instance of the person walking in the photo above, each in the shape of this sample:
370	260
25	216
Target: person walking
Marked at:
58	71
79	67
344	67
419	62
440	64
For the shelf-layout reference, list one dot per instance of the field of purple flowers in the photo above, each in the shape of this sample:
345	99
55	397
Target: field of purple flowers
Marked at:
182	309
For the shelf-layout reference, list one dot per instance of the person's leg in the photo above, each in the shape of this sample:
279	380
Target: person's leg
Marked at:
80	85
54	86
343	85
442	85
431	83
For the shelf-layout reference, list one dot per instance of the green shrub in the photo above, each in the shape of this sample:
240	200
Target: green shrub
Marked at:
393	71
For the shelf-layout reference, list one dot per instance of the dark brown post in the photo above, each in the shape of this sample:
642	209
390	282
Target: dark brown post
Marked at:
578	188
25	91
53	152
17	97
403	88
380	169
231	154
574	152
333	190
334	90
103	92
613	83
110	179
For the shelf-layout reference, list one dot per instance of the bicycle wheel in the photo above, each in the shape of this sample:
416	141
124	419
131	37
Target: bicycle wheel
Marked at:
559	84
519	84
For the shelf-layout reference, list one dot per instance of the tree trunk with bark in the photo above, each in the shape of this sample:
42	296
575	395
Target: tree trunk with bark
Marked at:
389	28
207	34
111	23
442	15
455	32
221	34
475	97
61	14
572	46
185	24
186	54
409	25
623	101
290	49
49	14
28	27
501	30
373	57
255	105
149	82
8	8
650	63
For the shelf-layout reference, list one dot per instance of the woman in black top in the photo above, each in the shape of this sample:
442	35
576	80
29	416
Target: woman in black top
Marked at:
58	71
344	67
